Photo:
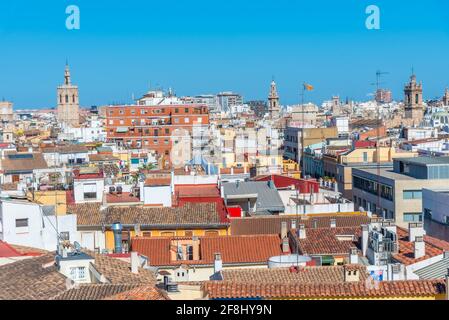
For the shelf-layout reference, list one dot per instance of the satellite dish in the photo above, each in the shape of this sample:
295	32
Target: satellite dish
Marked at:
77	246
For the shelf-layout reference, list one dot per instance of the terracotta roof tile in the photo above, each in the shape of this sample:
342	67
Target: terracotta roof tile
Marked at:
331	274
327	241
434	247
233	249
272	224
190	214
414	288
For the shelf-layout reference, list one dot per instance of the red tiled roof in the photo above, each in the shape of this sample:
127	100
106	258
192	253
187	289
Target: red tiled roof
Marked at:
385	289
124	197
205	190
364	144
233	249
434	247
327	274
272	224
324	241
283	182
9	251
141	293
153	182
6	251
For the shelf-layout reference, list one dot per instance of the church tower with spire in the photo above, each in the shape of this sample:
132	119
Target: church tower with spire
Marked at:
68	101
273	101
413	100
446	97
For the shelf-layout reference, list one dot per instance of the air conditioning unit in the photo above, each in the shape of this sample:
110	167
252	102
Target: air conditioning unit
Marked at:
111	190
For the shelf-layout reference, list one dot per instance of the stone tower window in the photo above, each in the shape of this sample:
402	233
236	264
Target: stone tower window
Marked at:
66	98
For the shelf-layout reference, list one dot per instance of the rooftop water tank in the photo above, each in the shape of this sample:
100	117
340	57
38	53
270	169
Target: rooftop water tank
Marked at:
288	261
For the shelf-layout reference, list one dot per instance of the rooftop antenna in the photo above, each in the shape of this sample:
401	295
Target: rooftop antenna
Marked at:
379	75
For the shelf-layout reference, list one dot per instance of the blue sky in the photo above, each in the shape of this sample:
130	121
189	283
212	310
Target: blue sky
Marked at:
201	46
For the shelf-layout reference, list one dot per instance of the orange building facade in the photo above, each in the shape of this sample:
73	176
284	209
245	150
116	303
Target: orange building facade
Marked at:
154	128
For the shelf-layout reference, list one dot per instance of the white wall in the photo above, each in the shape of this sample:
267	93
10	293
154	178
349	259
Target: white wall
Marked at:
160	195
57	159
80	185
41	230
190	179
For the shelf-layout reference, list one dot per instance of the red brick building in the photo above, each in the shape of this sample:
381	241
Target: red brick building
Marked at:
153	127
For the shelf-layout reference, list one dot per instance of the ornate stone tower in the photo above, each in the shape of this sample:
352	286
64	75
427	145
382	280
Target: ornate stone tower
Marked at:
68	101
273	101
413	100
446	97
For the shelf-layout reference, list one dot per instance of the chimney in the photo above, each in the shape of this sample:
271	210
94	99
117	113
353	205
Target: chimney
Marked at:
135	262
415	229
285	245
365	234
302	231
396	272
353	256
284	229
351	274
218	263
447	284
315	223
420	247
333	223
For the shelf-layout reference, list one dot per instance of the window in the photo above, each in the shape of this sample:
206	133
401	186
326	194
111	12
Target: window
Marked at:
176	120
186	120
22	223
111	121
146	234
186	110
90	191
66	98
78	273
413	217
167	131
412	194
211	233
188	233
133	111
176	110
365	157
189	252
167	234
166	141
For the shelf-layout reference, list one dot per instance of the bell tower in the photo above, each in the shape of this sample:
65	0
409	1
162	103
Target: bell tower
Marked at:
446	97
68	101
413	100
273	101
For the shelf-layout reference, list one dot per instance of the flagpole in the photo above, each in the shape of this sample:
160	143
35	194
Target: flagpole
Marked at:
302	132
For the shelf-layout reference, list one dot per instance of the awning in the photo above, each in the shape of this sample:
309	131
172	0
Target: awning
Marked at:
327	260
122	129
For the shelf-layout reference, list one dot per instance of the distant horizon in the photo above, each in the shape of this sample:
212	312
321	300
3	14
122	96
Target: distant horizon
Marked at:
202	47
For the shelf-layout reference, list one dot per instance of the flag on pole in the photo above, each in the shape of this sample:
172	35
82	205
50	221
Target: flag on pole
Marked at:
308	87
